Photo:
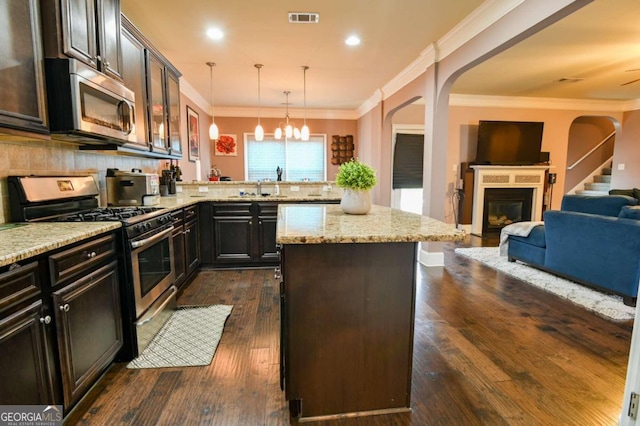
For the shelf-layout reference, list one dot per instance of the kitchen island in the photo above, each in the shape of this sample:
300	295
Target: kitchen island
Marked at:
348	307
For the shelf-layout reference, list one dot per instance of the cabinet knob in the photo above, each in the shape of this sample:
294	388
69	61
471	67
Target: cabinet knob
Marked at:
46	320
187	231
98	58
91	255
65	307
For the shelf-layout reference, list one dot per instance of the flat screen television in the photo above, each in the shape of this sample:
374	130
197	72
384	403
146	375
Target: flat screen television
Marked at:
509	142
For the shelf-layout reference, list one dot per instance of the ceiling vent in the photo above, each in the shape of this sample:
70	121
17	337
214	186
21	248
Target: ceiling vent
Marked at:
303	18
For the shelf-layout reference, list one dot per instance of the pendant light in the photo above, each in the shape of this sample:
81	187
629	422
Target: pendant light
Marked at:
287	128
213	129
304	133
259	132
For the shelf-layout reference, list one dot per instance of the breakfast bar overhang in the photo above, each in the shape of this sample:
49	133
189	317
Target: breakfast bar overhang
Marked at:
347	303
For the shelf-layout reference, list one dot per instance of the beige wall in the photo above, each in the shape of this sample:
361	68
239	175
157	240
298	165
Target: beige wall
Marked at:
234	166
627	152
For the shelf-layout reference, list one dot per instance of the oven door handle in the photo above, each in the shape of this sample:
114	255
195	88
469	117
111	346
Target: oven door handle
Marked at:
152	239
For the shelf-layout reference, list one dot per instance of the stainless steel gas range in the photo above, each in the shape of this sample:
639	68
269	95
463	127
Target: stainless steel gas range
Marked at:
145	248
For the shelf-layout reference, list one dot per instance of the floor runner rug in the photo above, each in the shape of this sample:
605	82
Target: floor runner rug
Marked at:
606	305
189	338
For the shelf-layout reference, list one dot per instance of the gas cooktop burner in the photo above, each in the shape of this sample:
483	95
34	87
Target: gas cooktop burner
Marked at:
107	214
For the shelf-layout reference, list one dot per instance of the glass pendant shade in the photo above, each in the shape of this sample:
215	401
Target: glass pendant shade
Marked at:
304	133
296	133
288	131
259	133
213	131
278	133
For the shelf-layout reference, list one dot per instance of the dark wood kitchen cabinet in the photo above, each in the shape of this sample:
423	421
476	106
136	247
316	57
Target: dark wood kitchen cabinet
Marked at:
155	82
86	307
89	329
135	78
22	103
239	234
88	30
186	244
25	345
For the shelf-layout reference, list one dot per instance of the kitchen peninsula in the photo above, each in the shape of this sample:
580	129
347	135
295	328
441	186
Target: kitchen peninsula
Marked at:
347	307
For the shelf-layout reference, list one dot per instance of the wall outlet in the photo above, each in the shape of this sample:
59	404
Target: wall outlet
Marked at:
203	189
178	188
295	189
621	166
326	188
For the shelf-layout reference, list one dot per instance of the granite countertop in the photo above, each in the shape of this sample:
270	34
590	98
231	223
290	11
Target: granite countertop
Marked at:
325	223
25	240
184	200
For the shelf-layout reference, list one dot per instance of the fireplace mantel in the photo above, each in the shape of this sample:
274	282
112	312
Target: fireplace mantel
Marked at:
506	177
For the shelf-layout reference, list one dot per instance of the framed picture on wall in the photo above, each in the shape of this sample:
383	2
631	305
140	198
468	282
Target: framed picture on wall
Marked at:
226	145
193	134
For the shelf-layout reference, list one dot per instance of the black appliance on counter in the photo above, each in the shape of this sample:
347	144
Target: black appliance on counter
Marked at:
145	247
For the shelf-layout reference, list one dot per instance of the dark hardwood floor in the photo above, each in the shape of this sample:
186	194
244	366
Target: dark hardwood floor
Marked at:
488	350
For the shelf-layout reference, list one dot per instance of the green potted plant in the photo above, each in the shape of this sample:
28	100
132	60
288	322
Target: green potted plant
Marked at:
357	179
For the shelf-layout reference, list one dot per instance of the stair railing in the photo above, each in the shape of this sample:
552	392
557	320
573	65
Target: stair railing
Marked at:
595	148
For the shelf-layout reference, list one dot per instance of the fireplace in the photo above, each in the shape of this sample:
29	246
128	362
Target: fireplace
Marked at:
504	206
515	195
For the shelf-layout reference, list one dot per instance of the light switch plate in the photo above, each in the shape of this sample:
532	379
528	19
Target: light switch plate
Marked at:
203	189
621	166
295	189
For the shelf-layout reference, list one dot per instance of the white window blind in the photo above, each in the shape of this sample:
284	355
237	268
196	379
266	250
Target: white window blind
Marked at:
299	159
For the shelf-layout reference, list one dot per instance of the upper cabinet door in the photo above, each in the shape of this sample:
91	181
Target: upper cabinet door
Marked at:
157	100
173	114
79	30
109	37
135	78
22	102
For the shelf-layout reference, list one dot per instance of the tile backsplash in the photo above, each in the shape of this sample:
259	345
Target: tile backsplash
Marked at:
39	157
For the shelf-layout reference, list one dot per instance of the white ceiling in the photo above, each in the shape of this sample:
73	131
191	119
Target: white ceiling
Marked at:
597	43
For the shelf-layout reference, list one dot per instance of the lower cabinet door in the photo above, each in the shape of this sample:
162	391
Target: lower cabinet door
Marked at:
192	246
233	236
25	373
179	256
89	329
267	250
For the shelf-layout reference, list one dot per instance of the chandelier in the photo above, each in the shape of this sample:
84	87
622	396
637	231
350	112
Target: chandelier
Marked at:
287	127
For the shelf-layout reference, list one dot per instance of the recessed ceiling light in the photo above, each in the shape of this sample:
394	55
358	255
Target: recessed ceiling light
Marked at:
352	40
215	33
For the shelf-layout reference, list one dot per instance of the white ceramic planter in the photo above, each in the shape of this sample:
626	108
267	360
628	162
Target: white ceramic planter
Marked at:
355	202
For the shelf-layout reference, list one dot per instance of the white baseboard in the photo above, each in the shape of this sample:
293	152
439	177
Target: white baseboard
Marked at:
431	258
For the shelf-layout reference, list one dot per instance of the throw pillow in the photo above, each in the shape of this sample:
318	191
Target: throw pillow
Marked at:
627	192
636	193
630	212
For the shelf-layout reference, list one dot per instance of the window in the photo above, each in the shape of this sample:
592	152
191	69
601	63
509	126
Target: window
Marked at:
300	159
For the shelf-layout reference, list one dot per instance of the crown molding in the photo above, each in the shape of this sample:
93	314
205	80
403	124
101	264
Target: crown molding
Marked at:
195	97
543	103
481	18
294	114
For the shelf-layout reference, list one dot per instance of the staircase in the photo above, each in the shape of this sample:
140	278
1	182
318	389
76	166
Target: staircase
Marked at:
600	186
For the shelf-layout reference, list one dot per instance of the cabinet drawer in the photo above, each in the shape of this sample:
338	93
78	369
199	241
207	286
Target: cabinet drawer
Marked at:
190	213
69	263
18	285
177	217
232	209
268	209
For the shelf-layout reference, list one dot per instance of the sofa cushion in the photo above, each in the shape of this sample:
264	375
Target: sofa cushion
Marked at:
630	212
606	205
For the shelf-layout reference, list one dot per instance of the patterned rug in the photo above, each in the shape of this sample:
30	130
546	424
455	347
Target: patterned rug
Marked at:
606	305
188	339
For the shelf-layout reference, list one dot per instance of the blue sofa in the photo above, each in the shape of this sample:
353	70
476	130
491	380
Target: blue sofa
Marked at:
594	241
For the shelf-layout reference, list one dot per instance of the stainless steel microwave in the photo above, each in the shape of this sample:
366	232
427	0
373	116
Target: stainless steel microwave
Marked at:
87	106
